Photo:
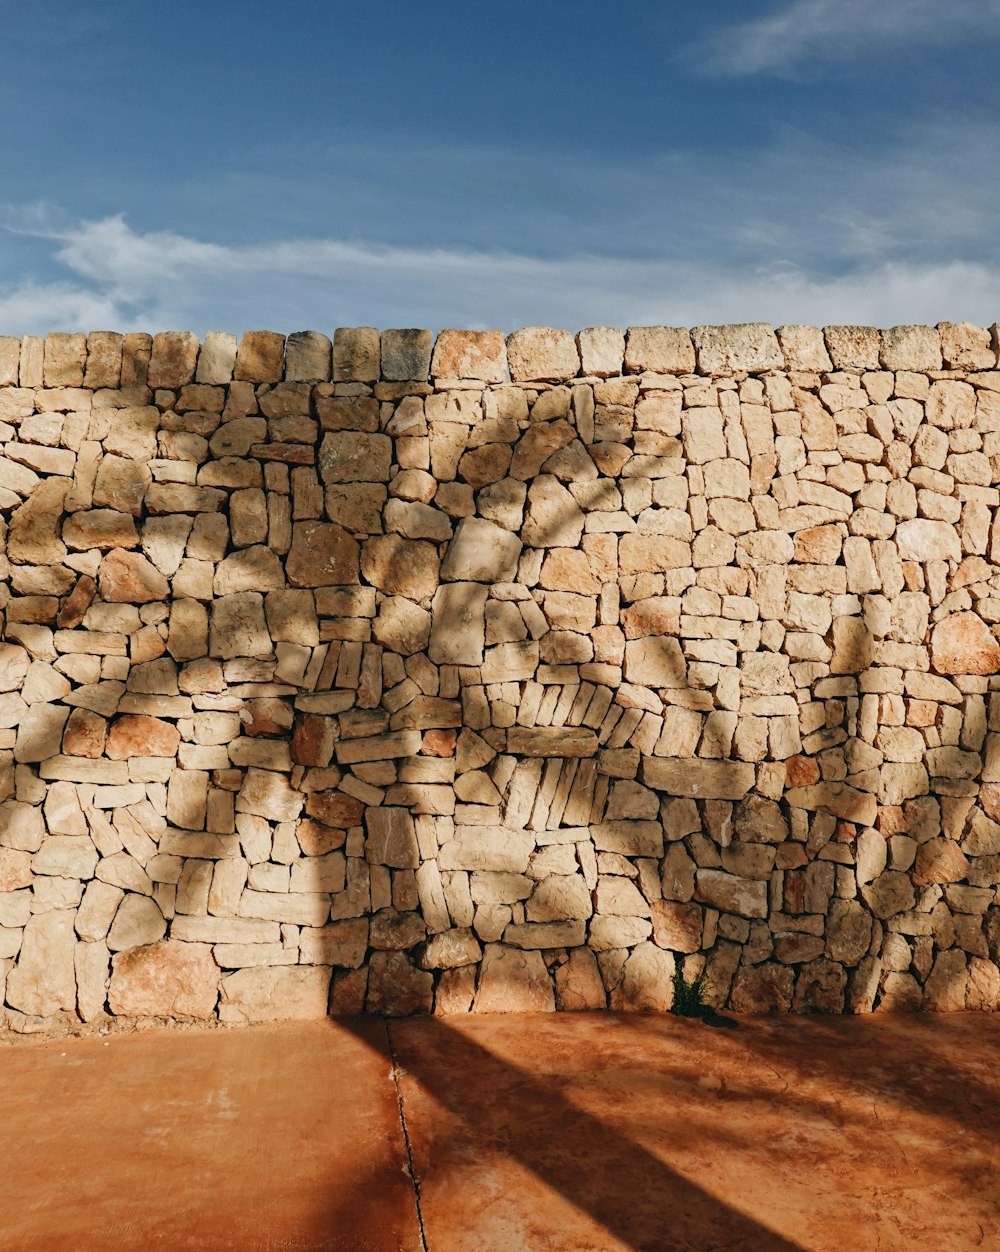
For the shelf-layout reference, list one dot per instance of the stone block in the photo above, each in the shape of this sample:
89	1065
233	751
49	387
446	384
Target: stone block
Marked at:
659	350
804	348
260	357
539	353
173	360
703	780
217	359
356	354
65	360
471	354
751	347
853	347
911	348
406	355
308	357
275	993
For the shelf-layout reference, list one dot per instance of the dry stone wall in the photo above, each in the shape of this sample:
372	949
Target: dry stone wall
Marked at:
402	675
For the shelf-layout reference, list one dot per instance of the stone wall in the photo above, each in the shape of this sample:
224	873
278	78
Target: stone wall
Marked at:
323	685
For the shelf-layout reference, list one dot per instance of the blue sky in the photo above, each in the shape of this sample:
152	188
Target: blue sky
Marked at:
232	166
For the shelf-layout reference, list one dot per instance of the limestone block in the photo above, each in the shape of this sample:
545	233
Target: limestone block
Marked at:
130	578
97	910
391	838
404	627
173	360
602	349
853	347
406	355
539	352
803	348
137	924
481	552
966	347
911	348
33	537
399	566
275	993
512	981
39	735
658	350
10	360
238	628
471	354
715	780
64	361
963	644
121	484
921	539
940	861
552	741
761	989
356	354
350	457
14	663
260	357
751	347
450	949
44	979
256	568
647	981
216	358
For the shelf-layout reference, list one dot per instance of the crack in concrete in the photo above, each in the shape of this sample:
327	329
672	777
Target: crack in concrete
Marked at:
410	1168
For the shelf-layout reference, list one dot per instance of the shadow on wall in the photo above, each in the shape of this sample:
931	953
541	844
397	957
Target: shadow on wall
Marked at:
456	718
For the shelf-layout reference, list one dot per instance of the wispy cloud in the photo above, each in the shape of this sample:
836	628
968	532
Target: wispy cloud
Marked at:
121	278
805	32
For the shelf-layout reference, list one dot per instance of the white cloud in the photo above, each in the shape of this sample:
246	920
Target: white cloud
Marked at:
828	30
127	279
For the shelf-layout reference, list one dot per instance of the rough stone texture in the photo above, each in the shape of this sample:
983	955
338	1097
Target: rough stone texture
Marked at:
479	694
165	979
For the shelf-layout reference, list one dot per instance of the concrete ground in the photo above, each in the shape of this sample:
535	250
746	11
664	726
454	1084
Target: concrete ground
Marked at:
556	1132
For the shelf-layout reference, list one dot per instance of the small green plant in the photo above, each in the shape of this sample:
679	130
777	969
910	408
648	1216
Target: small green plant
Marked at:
689	997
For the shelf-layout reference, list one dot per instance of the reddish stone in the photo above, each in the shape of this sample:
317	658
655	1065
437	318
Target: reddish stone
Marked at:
940	861
85	735
790	856
315	839
891	820
136	734
266	716
676	926
77	603
165	979
322	555
439	742
312	739
801	771
15	869
335	808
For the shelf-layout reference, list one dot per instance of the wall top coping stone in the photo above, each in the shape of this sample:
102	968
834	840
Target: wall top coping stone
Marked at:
532	354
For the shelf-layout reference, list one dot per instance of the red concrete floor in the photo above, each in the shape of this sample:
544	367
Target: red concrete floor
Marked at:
554	1132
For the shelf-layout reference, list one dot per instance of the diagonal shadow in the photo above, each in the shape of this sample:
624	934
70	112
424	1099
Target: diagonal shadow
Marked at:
641	1202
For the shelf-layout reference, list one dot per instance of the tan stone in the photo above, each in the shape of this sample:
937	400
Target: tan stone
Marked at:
761	989
403	626
803	348
940	861
33	537
471	354
723	349
44	980
966	347
963	644
481	552
512	981
275	993
853	347
252	569
140	735
137	924
174	357
647	981
602	349
39	734
260	358
539	352
658	350
350	457
396	988
655	662
216	358
129	578
911	348
398	566
356	354
391	838
100	528
552	741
